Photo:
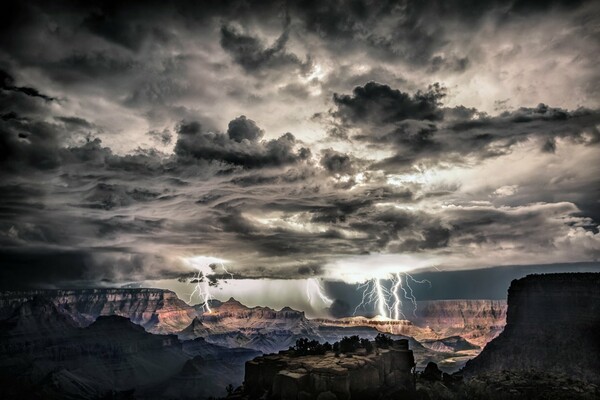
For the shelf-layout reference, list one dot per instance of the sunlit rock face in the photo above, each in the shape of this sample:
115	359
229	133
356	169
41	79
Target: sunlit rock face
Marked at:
552	325
234	316
233	324
194	330
396	327
157	310
478	321
358	375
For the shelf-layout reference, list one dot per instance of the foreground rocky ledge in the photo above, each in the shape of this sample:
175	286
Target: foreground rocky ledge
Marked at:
331	376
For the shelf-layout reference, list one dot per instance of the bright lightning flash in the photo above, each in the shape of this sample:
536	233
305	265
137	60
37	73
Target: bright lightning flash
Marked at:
315	291
201	283
388	302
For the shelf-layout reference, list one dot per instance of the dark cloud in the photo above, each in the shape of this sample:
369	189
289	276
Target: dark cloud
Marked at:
340	309
108	175
46	268
75	122
29	144
379	104
81	66
418	127
122	25
7	82
239	147
252	55
336	162
243	128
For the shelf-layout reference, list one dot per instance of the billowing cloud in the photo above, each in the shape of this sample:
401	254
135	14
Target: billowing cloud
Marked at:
344	140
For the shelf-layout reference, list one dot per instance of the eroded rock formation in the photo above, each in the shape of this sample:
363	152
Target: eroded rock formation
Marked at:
477	321
345	376
157	310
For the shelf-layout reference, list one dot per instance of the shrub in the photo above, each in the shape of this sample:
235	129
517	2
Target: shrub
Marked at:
367	345
349	344
305	347
383	341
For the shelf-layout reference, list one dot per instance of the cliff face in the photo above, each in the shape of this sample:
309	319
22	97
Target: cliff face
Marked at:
157	310
233	324
394	327
360	375
552	325
233	316
478	321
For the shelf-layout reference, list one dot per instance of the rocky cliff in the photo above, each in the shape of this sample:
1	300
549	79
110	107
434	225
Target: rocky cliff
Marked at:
233	315
233	324
345	376
552	325
157	310
478	321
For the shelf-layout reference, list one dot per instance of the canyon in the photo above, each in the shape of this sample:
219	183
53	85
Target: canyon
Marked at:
90	343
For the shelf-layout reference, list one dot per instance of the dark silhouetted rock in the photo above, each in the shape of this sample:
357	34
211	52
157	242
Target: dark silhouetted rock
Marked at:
552	325
431	372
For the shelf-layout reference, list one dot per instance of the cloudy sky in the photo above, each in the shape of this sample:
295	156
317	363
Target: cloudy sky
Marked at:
341	140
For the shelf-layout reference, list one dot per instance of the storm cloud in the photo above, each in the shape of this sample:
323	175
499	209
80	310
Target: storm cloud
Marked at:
295	139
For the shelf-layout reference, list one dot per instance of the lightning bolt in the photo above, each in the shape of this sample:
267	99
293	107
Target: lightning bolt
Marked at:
388	302
204	268
313	285
201	289
373	292
412	297
225	270
397	306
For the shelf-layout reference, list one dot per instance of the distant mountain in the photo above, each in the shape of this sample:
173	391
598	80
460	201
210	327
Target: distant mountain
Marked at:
233	324
157	310
233	315
552	325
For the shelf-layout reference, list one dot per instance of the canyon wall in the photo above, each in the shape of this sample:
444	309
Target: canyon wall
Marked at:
157	310
478	321
552	325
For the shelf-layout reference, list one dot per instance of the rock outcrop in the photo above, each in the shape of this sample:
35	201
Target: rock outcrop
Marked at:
157	310
233	315
394	327
552	325
233	324
194	330
345	376
477	321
